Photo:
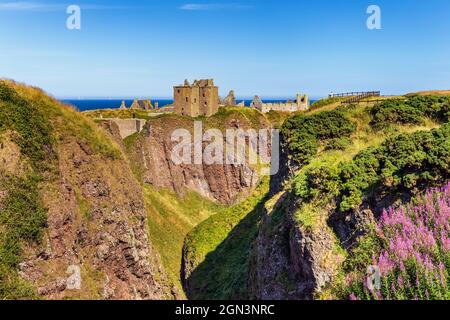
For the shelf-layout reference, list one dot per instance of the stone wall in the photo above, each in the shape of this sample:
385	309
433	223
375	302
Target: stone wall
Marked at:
301	104
209	101
127	127
187	101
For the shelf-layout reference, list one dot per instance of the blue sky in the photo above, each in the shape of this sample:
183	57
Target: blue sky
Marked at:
266	47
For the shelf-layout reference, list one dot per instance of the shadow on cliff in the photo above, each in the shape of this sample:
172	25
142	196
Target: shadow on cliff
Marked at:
224	272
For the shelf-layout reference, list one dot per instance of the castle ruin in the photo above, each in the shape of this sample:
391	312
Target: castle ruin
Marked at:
142	105
199	99
301	104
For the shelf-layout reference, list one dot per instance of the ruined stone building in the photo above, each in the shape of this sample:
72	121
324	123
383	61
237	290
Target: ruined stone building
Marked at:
229	100
300	104
199	99
142	105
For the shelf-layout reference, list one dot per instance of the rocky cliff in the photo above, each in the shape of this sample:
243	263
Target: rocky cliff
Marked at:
151	154
291	261
73	206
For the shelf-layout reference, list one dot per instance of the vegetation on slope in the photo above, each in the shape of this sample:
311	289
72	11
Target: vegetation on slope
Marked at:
411	247
408	153
218	250
344	156
410	111
326	102
401	163
36	124
304	134
22	214
170	218
121	114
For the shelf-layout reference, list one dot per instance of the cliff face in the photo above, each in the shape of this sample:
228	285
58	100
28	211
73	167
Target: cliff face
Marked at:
225	183
290	261
93	241
97	224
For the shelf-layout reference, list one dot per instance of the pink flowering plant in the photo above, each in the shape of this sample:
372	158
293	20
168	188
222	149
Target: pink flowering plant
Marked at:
411	248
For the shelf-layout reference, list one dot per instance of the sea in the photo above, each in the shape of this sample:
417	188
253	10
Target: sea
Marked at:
95	104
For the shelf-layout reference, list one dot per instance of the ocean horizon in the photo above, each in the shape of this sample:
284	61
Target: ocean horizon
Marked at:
96	104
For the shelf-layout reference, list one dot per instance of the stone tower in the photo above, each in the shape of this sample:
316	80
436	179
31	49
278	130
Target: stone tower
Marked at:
302	102
199	99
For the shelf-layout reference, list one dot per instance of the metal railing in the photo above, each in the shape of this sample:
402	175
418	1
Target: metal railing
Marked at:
357	96
355	93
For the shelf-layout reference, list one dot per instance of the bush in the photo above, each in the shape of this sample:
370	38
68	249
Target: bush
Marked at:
305	133
404	162
338	144
410	111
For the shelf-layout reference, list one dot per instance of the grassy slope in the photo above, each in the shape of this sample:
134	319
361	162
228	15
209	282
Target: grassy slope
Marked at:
36	122
121	114
432	93
219	249
170	219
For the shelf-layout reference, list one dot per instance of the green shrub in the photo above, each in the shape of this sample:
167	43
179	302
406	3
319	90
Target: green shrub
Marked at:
305	133
403	163
410	111
338	144
317	181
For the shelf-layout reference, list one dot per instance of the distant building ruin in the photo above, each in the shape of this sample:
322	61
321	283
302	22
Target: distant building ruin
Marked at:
300	104
142	105
229	100
199	99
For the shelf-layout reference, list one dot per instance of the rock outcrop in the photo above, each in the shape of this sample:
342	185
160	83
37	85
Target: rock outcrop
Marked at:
291	261
224	183
229	100
96	230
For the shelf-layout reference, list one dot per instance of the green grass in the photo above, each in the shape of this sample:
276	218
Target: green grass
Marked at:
220	248
23	216
170	218
325	102
121	114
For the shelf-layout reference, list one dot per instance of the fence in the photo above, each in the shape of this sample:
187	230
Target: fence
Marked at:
357	93
356	96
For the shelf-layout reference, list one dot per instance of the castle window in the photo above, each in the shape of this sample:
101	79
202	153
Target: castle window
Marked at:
195	100
187	99
178	90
